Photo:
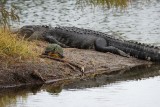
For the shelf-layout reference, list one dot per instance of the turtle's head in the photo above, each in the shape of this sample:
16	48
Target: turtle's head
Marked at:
28	30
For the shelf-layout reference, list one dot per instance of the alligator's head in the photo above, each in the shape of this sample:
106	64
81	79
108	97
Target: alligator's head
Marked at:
28	30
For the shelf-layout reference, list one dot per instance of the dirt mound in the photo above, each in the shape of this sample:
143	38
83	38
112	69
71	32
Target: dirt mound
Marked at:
78	63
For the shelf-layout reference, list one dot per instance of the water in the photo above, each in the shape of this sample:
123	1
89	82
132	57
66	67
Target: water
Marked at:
140	21
134	88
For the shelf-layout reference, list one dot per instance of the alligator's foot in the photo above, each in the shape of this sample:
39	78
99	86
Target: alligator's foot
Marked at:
123	54
101	45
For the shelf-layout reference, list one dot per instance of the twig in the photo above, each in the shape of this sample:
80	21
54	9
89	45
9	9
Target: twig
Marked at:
70	64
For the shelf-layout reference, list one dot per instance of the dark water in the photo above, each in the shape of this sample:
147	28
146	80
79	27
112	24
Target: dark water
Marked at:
135	88
140	21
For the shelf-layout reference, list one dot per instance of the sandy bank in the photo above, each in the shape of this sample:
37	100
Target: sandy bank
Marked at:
83	64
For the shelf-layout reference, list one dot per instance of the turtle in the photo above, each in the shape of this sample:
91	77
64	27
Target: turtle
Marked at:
54	50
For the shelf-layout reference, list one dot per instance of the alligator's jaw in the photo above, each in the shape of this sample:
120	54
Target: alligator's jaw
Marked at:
14	30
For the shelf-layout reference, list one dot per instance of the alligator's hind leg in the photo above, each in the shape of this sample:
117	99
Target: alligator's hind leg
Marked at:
101	45
51	39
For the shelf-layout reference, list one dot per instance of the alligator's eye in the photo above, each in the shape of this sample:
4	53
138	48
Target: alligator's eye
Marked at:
45	26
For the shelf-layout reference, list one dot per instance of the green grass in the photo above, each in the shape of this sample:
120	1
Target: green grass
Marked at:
13	47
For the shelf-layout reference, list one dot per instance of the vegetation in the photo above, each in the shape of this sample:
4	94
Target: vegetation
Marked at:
13	47
105	3
7	15
10	45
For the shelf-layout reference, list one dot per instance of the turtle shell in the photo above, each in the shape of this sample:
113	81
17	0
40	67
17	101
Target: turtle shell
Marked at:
54	49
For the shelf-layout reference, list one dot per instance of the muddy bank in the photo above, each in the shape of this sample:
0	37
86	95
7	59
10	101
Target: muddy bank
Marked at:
79	64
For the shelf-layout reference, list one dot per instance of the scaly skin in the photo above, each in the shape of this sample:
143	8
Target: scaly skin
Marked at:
88	39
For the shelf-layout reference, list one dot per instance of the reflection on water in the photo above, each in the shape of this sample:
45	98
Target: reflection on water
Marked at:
135	74
104	3
139	21
9	97
134	88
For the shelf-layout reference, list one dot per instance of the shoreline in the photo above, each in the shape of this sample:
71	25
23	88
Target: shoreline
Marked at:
46	71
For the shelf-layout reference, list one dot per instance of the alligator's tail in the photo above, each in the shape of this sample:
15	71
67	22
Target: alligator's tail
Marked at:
138	50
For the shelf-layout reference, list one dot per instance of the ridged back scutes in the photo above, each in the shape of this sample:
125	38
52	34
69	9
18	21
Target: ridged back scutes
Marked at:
114	41
137	45
145	46
84	31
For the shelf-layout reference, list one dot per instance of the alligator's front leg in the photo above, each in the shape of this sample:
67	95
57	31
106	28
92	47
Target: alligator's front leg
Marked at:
51	39
101	45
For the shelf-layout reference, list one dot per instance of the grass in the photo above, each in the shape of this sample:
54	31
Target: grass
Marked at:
12	47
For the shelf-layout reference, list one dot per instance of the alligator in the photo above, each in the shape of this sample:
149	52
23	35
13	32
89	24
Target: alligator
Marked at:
89	39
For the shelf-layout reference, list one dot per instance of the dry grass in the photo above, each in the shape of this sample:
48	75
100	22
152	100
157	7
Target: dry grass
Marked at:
12	47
